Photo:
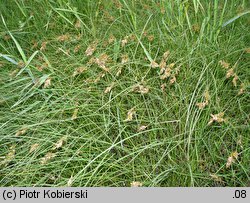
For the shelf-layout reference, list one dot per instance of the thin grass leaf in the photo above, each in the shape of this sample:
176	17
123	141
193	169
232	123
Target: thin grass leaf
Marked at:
235	18
27	64
8	59
20	50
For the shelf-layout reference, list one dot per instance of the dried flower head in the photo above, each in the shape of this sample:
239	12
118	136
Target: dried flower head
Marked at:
109	88
101	61
21	131
224	64
166	55
247	50
172	80
142	128
10	156
140	89
162	10
118	72
42	67
231	159
79	36
242	89
125	58
91	49
217	118
35	44
78	24
74	115
130	115
201	105
124	41
151	38
6	37
108	16
70	181
47	157
47	83
20	64
196	28
216	178
117	4
145	33
239	142
77	48
98	78
132	37
153	64
136	184
13	73
206	95
33	147
79	71
63	38
166	73
163	65
91	61
43	46
111	39
230	73
60	143
234	81
171	65
163	87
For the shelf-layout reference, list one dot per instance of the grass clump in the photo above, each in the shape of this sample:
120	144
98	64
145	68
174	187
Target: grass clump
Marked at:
124	93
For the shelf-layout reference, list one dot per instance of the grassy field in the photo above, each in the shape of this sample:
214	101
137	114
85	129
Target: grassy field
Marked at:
124	93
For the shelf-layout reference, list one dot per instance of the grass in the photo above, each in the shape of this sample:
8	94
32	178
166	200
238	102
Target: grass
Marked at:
78	132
